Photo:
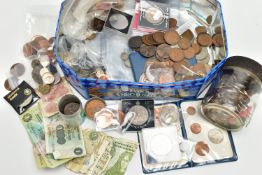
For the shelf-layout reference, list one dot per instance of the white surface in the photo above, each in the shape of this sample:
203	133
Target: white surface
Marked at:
244	26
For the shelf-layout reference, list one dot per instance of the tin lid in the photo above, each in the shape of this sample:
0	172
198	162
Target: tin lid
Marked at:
245	63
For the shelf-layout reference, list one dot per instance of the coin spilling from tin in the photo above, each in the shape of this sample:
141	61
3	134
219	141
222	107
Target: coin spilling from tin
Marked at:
218	40
44	89
204	40
191	110
189	53
200	29
176	54
135	42
159	37
195	128
141	115
17	69
71	108
118	21
188	34
149	40
215	136
147	51
172	37
163	51
196	48
184	43
94	105
201	148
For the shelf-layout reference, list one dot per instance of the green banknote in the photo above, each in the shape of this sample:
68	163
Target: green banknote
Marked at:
105	155
33	123
64	139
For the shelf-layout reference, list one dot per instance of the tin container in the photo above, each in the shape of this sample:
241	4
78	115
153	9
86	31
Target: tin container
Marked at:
232	97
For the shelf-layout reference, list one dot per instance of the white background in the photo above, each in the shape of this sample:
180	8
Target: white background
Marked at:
243	21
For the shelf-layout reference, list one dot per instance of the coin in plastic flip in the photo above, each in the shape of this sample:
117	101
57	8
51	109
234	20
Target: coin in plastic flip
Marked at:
154	15
215	136
118	21
141	116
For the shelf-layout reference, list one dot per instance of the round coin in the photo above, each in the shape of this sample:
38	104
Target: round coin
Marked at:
172	22
17	69
48	78
159	37
8	85
169	115
154	15
191	110
163	51
184	43
189	53
171	37
218	40
94	105
118	21
204	40
141	116
218	30
176	54
28	50
196	48
200	29
135	42
35	63
188	35
201	148
147	51
71	108
195	128
215	136
36	75
44	89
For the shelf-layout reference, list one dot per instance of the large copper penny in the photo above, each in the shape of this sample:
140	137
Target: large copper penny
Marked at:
176	54
159	37
202	148
189	53
28	50
172	22
163	51
39	42
204	40
135	42
188	35
197	48
195	128
147	51
94	105
191	110
149	40
218	40
200	29
184	43
172	37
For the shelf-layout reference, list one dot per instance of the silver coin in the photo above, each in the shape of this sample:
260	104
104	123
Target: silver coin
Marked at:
17	69
154	15
215	136
118	21
48	78
169	115
141	116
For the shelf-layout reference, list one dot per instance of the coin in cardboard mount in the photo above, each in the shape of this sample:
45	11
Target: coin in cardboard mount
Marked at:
118	20
143	111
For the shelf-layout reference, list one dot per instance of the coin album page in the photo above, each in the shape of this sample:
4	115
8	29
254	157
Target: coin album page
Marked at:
182	138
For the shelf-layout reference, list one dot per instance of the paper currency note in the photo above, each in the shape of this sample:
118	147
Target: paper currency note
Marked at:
105	155
33	124
63	139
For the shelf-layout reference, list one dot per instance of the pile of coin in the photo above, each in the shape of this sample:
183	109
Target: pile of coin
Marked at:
188	55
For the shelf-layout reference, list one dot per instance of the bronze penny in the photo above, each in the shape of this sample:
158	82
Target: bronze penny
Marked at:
218	40
163	51
39	42
204	40
159	37
200	29
196	48
172	23
184	43
172	37
179	67
147	51
189	53
176	54
28	50
191	110
218	30
7	85
135	42
94	105
195	128
209	19
188	35
202	148
148	40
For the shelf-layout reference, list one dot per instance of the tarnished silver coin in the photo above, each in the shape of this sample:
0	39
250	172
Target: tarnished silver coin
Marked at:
215	136
141	116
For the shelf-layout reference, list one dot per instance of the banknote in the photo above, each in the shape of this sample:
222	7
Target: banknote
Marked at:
105	155
33	123
63	138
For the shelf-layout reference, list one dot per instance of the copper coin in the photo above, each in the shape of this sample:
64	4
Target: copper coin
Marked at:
189	53
71	108
202	148
191	110
209	19
172	23
218	40
121	117
147	51
163	51
196	48
135	42
28	50
40	42
184	43
200	29
148	40
188	35
176	54
204	40
17	69
218	30
7	85
94	105
159	37
180	67
172	37
195	128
